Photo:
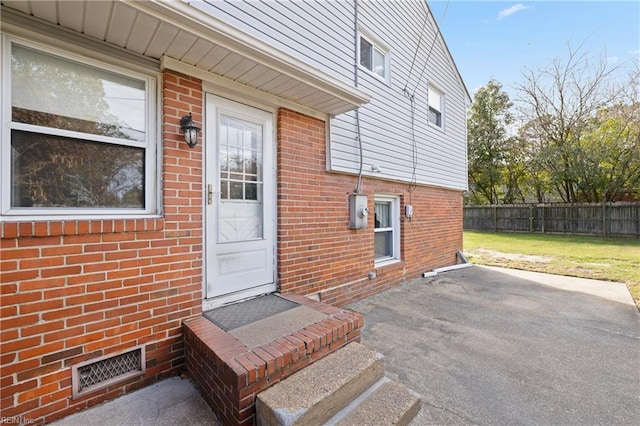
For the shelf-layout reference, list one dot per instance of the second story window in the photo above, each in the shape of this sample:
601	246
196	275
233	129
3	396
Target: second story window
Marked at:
436	107
374	57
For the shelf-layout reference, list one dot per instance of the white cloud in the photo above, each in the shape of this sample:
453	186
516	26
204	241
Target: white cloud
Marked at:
634	52
613	59
511	10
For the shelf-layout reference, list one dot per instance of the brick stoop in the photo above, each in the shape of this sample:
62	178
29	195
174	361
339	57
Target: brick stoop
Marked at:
229	374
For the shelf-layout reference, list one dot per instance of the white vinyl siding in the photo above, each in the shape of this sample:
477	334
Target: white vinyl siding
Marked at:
385	122
323	34
318	32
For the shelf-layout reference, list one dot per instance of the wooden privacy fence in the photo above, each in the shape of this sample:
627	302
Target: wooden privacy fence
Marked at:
621	219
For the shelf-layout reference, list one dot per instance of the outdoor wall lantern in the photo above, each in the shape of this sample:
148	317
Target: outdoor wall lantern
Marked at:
190	130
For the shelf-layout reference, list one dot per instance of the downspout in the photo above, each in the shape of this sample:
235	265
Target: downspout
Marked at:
355	83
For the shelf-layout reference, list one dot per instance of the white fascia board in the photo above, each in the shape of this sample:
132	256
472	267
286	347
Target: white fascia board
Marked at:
208	27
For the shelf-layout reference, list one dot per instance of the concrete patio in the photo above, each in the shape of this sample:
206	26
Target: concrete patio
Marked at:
481	345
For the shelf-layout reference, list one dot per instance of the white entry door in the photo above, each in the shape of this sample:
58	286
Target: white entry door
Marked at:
240	200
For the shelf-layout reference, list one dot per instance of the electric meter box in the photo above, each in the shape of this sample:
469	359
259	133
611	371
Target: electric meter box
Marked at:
358	211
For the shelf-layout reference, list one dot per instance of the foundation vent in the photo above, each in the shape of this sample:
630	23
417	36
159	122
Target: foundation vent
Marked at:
100	373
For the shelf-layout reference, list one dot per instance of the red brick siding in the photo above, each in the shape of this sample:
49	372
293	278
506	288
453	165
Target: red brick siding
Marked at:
230	375
74	290
318	253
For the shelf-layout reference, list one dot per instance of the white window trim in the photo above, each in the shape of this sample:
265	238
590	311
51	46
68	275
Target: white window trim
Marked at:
394	200
442	109
381	47
152	166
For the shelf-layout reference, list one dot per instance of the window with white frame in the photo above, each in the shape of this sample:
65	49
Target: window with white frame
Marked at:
387	228
436	107
374	57
78	136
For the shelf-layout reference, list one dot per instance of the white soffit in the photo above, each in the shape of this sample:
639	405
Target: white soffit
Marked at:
186	38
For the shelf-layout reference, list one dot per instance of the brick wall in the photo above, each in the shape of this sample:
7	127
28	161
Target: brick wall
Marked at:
318	253
75	290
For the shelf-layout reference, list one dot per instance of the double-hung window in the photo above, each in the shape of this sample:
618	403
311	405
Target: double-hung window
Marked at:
78	136
436	107
374	57
387	228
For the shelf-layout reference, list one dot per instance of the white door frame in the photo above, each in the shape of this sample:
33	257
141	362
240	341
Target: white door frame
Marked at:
214	105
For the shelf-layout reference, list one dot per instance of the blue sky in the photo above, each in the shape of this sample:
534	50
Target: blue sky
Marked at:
500	39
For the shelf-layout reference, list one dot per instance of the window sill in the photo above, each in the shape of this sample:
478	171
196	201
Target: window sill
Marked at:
383	80
386	262
436	127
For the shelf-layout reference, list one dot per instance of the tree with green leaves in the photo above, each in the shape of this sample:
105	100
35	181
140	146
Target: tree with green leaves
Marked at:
536	181
610	157
487	138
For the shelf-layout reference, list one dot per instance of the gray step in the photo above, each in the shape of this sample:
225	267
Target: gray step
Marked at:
387	403
316	393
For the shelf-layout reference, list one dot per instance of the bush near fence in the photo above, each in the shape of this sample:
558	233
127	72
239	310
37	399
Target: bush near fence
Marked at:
609	219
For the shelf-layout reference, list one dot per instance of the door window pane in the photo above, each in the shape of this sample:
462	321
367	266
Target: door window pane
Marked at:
251	191
235	191
240	153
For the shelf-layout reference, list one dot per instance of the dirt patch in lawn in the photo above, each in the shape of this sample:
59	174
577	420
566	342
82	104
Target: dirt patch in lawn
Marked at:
496	255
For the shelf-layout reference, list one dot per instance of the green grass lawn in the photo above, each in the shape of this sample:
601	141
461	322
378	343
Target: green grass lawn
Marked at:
611	259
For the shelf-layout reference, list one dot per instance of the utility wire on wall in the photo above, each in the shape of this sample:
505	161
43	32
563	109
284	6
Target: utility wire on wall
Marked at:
415	54
433	42
414	150
411	97
411	94
355	82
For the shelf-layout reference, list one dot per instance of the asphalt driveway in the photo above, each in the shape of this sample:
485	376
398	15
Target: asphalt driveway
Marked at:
490	346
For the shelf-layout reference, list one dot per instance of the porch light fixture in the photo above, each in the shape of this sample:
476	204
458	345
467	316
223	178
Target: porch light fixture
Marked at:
190	130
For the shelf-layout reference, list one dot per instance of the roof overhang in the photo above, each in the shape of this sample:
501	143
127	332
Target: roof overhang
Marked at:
185	38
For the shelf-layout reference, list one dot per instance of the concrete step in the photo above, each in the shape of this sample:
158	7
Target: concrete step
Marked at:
315	394
386	403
